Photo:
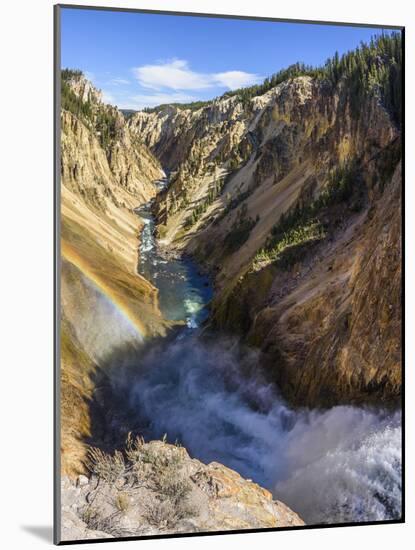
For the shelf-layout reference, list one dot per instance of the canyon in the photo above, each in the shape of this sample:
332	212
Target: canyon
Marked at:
312	318
231	282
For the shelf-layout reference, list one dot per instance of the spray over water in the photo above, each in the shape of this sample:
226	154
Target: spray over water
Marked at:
338	465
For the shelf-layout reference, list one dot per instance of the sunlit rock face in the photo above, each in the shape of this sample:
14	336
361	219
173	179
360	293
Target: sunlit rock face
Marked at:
328	319
105	305
100	325
181	495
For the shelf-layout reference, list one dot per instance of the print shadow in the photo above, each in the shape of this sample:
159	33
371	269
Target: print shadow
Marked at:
42	532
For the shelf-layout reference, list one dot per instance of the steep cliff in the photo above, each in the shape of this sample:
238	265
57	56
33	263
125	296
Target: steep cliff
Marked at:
105	174
291	198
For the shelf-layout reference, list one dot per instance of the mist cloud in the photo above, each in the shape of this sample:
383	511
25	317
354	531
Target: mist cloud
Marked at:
338	465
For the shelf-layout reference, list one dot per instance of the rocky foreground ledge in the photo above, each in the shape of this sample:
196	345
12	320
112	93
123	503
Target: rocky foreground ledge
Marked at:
156	488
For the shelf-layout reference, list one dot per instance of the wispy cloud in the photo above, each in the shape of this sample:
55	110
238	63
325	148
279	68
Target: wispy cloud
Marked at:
236	79
169	82
119	81
177	75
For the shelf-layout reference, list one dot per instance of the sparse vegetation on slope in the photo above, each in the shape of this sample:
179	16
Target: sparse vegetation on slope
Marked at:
291	246
105	120
240	230
144	466
69	100
214	191
307	224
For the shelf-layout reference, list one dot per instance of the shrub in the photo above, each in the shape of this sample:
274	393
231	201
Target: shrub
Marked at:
166	513
122	502
160	514
171	484
110	524
157	468
288	248
106	467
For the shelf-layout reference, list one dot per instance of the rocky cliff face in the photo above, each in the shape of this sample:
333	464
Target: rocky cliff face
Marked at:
289	198
330	326
156	488
106	173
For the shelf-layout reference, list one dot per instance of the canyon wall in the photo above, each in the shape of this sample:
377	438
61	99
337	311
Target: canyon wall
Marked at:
105	173
291	199
107	311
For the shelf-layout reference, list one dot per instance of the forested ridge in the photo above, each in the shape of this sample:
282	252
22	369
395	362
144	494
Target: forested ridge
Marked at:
373	68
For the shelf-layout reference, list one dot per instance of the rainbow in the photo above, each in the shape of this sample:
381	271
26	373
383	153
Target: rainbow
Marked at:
118	300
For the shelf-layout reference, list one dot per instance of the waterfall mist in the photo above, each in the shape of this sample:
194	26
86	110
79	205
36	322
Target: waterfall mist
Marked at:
338	465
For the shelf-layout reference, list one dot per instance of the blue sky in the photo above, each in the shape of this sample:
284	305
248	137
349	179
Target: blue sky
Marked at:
140	60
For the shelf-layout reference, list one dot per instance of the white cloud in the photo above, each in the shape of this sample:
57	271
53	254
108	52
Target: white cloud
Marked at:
177	75
119	81
170	82
236	79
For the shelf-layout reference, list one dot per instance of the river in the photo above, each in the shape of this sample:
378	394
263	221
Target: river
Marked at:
333	466
183	290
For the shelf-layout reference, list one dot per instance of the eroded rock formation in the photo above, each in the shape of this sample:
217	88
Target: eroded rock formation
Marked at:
323	304
106	173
